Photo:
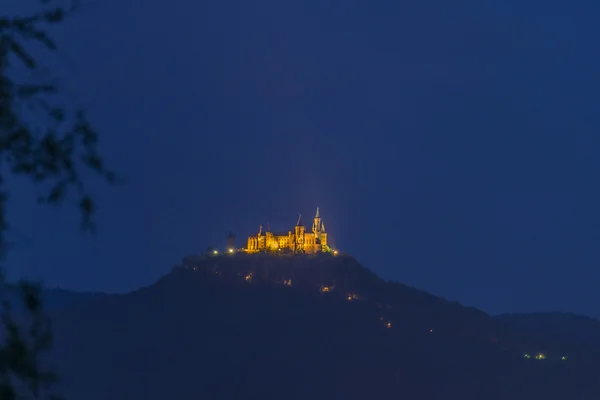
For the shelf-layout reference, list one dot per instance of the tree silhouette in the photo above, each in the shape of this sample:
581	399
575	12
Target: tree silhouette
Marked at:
53	155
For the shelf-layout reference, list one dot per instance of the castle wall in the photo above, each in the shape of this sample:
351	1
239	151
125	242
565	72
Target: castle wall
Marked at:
274	243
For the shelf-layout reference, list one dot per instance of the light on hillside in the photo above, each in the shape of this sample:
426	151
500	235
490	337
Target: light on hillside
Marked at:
215	252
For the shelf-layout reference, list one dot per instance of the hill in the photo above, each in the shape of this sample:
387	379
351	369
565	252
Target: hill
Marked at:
556	326
300	327
53	298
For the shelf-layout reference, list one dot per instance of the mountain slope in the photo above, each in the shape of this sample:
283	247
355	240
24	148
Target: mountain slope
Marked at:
52	298
557	326
229	327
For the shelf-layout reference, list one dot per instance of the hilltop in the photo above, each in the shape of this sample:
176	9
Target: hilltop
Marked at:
297	327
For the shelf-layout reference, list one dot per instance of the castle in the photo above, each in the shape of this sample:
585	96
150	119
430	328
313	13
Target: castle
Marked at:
296	241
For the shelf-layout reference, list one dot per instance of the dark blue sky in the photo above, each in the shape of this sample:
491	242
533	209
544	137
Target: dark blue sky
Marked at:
451	145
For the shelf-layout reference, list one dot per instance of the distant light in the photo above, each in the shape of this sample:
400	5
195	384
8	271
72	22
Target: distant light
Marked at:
335	252
215	251
431	331
231	250
563	358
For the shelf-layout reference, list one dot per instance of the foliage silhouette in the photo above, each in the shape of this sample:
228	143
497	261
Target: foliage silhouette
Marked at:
53	155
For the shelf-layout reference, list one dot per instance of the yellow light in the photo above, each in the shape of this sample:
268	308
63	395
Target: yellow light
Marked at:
352	296
389	324
216	252
335	252
231	250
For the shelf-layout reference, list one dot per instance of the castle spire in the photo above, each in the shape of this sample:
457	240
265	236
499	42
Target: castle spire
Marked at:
317	214
299	223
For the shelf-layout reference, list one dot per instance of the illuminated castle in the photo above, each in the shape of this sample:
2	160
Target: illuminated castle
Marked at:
297	240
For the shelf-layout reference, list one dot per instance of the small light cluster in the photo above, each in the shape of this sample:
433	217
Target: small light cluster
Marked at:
386	322
230	250
540	356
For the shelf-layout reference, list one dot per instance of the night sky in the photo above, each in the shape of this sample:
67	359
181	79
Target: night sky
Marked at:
450	145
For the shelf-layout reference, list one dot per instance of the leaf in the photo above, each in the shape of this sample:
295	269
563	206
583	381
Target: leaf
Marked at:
4	23
32	90
22	54
111	177
57	194
43	38
7	392
87	205
58	114
94	162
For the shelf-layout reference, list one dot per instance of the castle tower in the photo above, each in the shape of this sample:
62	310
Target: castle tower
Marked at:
261	239
299	235
318	229
317	225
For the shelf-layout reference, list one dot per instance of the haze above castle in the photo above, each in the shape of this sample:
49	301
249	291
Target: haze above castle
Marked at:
297	240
